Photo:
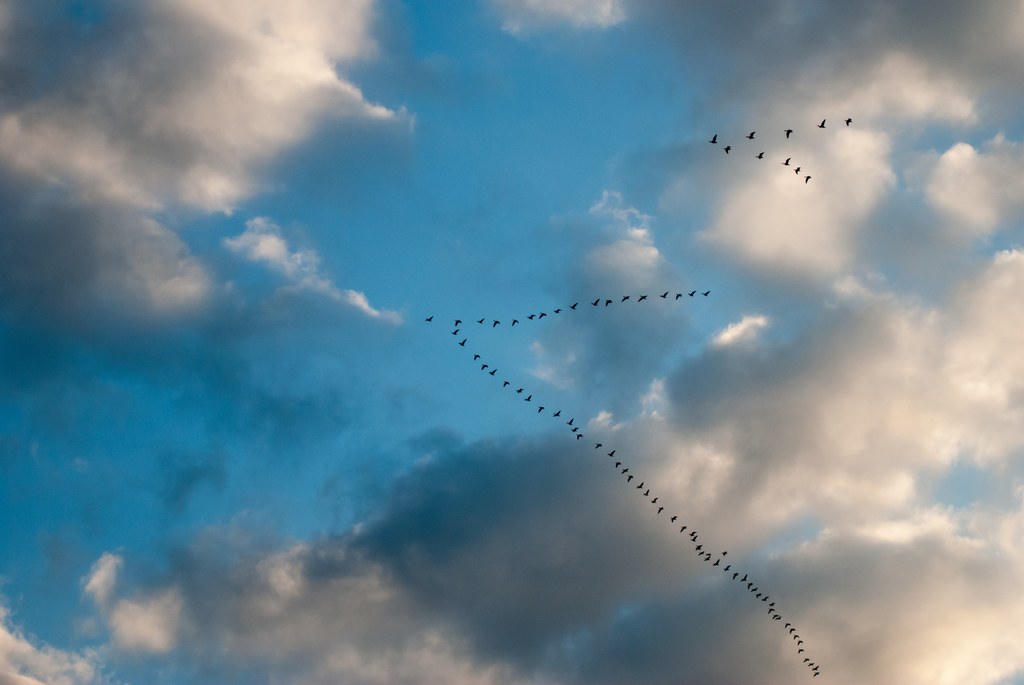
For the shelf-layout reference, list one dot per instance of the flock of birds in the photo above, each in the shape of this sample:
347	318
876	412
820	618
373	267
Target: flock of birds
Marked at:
788	161
714	559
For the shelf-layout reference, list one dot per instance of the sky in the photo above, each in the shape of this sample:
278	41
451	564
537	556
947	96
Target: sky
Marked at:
234	450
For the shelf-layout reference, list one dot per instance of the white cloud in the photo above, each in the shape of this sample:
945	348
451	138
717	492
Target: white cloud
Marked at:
632	256
262	242
979	190
523	16
102	579
196	97
744	330
24	662
148	625
770	218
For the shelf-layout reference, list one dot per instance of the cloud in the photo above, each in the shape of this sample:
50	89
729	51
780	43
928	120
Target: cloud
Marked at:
24	661
178	102
524	16
979	191
262	242
744	330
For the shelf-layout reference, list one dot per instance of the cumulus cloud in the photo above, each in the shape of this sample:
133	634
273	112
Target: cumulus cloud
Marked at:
183	105
23	661
979	190
262	242
523	16
744	330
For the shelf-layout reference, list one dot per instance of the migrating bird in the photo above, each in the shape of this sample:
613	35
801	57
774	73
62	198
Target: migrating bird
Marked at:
481	320
661	509
429	318
455	332
569	422
483	366
727	148
714	139
529	398
519	391
462	342
540	409
496	322
515	321
530	317
751	136
595	302
494	371
475	357
458	322
557	413
706	293
849	121
797	171
607	302
673	519
598	446
788	131
822	124
642	298
664	295
760	155
505	384
624	298
678	295
558	311
786	163
807	179
542	315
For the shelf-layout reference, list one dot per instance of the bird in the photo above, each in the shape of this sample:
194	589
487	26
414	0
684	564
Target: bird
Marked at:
493	371
607	302
598	446
595	302
483	366
429	318
505	384
716	562
540	409
625	470
699	547
692	293
786	163
574	305
569	422
661	509
519	391
734	575
744	578
797	171
678	295
612	453
579	436
654	501
624	298
558	311
455	332
618	464
849	121
642	298
629	478
463	342
751	135
673	519
807	179
682	529
822	124
557	413
530	317
706	293
458	322
760	155
529	398
515	321
788	131
664	295
727	148
647	492
481	320
541	316
496	322
575	429
475	357
641	486
714	139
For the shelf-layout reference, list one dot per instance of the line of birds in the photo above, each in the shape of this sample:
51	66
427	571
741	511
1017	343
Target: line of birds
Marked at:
575	306
788	132
702	549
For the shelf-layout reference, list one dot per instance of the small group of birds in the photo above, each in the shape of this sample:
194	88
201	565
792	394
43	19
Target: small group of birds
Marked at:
787	162
629	475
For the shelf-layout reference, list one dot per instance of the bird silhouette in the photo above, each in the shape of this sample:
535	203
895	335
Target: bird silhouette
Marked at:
788	131
750	136
849	121
664	295
692	293
629	478
573	306
519	391
529	398
494	371
647	492
483	366
475	357
598	446
596	302
654	501
624	298
625	470
714	139
618	464
541	316
505	384
458	322
557	413
481	320
642	298
455	332
760	155
569	422
706	293
607	302
515	321
429	318
797	171
678	295
727	148
786	163
558	311
530	317
822	124
540	409
463	342
673	519
807	179
661	509
579	436
496	322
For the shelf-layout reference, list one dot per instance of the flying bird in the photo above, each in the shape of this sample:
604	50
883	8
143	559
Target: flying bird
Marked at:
751	135
480	320
692	293
429	318
455	332
624	298
661	509
797	171
505	384
574	305
807	179
595	302
558	311
483	366
493	371
706	293
727	148
714	139
849	121
678	295
788	131
760	155
642	298
673	519
822	124
496	322
569	422
557	413
458	322
607	302
475	357
529	398
463	342
519	391
664	295
786	163
530	317
540	409
598	446
515	321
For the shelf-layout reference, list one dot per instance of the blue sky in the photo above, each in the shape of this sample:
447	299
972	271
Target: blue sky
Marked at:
232	450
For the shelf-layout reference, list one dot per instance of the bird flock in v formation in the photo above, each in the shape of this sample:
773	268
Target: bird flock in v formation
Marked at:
718	560
789	160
